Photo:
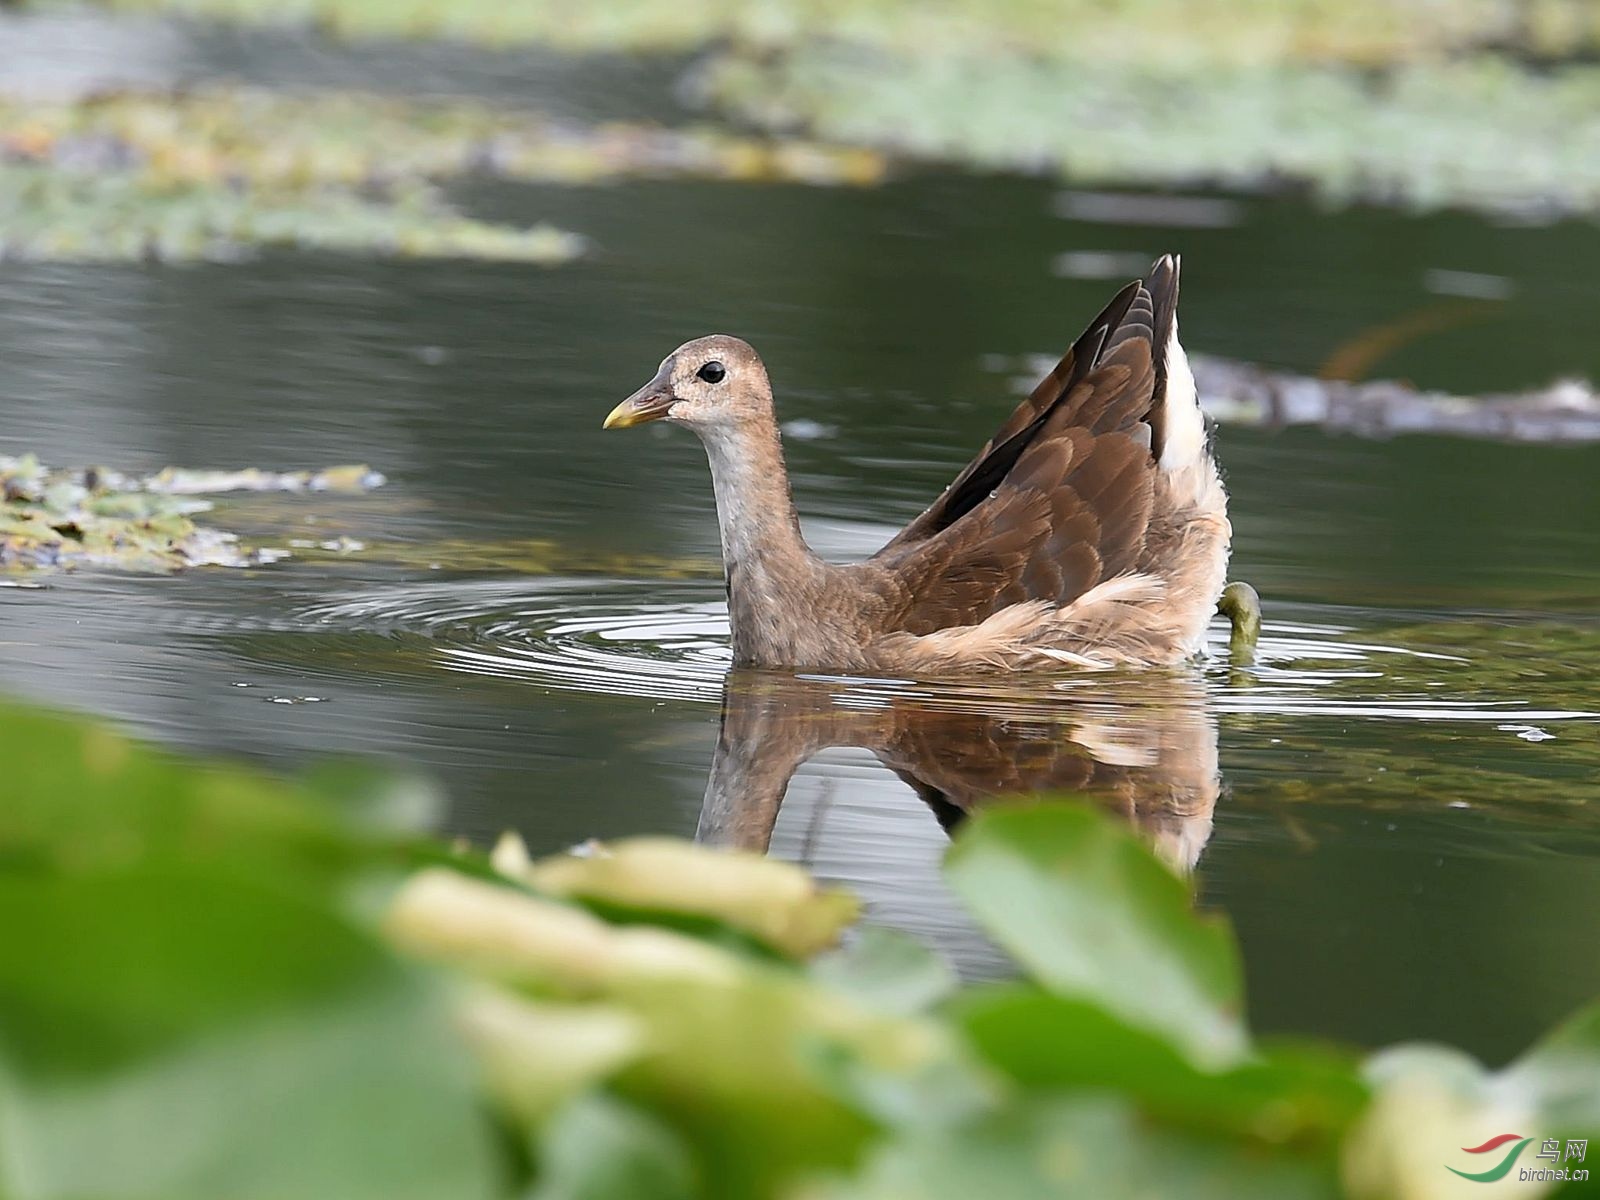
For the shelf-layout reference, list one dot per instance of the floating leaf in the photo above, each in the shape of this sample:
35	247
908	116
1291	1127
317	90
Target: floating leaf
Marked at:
73	216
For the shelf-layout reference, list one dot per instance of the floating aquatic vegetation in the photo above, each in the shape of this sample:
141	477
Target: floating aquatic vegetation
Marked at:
184	481
1412	102
253	139
1363	31
73	217
99	518
1484	132
211	174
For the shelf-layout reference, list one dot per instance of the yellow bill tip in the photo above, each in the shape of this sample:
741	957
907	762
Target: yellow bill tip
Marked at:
644	405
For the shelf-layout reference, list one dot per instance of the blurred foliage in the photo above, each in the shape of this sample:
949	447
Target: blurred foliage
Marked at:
261	139
1484	132
200	995
1410	101
1241	31
95	517
76	217
212	174
188	1007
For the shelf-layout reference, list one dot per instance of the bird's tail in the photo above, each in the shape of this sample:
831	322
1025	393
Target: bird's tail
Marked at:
1177	424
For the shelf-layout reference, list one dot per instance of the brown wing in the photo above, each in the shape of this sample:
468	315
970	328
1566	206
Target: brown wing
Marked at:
1059	500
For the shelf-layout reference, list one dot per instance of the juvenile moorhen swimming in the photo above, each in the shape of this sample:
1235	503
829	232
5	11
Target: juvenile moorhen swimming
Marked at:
1092	530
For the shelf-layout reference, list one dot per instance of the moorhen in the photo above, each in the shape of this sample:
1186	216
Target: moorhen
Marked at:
1091	531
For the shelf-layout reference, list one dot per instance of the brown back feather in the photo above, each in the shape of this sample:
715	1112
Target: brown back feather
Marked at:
1060	498
1000	453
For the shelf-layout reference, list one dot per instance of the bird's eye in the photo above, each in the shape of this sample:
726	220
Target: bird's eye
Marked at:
713	372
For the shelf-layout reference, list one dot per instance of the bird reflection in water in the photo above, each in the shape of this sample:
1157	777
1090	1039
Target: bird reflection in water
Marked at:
1143	747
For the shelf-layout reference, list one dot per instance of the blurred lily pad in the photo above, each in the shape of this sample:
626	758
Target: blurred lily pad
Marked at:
1304	1097
599	1148
1079	1147
777	902
1091	915
731	1043
196	1001
186	1008
1426	1094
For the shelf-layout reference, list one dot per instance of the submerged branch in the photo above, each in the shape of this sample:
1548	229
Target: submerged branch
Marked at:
1241	393
1237	392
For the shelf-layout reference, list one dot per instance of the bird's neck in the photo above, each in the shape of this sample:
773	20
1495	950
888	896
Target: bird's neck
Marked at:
770	570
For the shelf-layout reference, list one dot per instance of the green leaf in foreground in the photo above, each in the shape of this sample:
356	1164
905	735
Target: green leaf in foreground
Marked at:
1091	915
1563	1070
187	1011
178	1033
194	1004
598	1148
888	971
733	1048
1301	1097
776	902
1432	1100
82	799
1089	1148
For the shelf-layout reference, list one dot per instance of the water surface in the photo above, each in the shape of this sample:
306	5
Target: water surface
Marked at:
1396	807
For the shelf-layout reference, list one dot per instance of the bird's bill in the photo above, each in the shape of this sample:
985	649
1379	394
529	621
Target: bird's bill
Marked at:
650	403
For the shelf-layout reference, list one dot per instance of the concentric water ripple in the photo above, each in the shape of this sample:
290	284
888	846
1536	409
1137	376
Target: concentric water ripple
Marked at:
650	639
669	640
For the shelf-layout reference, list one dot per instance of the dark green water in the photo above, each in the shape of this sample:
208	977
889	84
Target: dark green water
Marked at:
1399	809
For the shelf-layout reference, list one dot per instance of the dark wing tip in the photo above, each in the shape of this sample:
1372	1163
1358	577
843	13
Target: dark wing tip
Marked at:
1141	311
1162	284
